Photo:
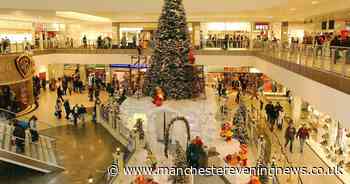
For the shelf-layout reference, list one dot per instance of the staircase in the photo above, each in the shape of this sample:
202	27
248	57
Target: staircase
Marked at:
39	156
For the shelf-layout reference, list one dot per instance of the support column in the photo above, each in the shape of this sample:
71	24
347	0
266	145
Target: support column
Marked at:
115	33
284	32
41	41
196	34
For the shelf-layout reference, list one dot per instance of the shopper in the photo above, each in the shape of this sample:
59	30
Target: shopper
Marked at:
269	109
67	108
43	84
59	93
91	93
33	128
82	113
85	41
280	119
238	96
19	137
278	115
58	108
75	112
290	135
303	134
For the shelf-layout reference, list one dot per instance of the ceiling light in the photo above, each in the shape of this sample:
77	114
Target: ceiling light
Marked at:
269	17
315	2
81	16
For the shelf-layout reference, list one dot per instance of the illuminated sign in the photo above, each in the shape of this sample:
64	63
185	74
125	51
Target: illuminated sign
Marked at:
262	26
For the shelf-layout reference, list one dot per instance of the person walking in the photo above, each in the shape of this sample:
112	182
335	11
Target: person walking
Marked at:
85	42
269	109
82	113
279	115
67	109
58	108
290	135
75	112
59	93
33	128
303	134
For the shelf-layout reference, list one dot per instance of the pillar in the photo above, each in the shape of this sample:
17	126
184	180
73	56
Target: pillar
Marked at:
196	34
296	108
41	41
82	71
115	33
284	32
108	71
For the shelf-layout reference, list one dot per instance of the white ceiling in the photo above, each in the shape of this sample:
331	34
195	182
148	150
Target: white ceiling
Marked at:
197	10
139	5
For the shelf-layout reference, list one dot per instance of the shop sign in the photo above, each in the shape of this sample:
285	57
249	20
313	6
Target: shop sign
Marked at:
24	65
262	26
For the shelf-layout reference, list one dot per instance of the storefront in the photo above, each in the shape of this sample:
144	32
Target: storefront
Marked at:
329	139
49	35
129	76
17	34
225	34
132	34
261	31
272	87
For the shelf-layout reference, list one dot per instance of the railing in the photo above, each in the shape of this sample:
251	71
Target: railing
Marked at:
7	117
43	150
325	58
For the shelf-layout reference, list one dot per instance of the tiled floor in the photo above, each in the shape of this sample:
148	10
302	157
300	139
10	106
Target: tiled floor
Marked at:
83	150
46	109
296	159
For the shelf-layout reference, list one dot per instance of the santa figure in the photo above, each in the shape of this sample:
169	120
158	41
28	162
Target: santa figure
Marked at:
159	97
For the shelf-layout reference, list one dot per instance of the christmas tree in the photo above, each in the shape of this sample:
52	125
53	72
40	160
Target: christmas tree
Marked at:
239	130
170	69
180	162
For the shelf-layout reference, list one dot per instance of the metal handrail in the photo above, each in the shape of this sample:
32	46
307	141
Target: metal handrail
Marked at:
42	146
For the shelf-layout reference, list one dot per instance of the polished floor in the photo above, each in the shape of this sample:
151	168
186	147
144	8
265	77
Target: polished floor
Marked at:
84	151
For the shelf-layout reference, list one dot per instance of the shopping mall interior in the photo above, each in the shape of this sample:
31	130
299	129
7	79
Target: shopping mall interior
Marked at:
139	92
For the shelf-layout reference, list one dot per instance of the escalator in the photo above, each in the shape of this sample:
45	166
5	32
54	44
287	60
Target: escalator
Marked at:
40	156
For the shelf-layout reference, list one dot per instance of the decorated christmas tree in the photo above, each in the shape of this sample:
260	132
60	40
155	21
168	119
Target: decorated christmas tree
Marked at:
239	130
170	68
180	162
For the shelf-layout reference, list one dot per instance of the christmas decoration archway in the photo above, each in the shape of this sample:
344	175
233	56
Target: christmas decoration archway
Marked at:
167	132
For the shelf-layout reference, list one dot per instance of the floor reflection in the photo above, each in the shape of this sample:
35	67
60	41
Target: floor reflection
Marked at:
84	150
